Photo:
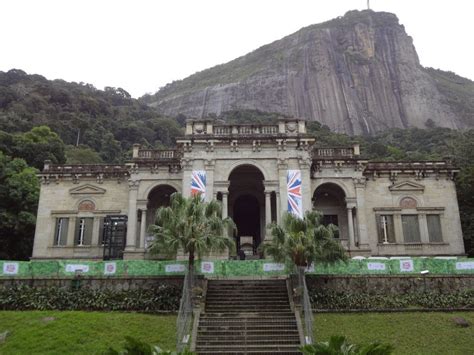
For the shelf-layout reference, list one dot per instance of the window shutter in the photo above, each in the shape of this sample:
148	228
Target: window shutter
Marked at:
411	230
64	230
434	228
88	227
101	230
77	230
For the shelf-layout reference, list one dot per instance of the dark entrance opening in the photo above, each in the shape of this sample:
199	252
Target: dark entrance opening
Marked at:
247	219
158	197
114	236
247	209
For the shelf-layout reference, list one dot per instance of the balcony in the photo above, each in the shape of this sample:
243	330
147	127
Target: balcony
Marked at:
156	154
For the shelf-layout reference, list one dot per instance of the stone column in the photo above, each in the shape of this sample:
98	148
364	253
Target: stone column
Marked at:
225	202
305	167
132	215
143	229
350	221
209	168
282	171
268	208
360	185
277	203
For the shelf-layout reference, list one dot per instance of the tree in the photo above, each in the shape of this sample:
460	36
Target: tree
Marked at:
38	145
192	226
339	345
82	155
19	191
303	241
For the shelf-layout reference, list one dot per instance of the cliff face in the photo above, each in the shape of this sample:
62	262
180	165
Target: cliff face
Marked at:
356	74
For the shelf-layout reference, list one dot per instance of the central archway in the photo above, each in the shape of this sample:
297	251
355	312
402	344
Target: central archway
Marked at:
247	208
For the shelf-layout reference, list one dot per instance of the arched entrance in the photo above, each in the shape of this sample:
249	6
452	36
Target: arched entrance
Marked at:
247	208
330	200
158	197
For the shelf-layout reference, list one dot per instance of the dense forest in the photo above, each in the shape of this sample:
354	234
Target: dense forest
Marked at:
77	123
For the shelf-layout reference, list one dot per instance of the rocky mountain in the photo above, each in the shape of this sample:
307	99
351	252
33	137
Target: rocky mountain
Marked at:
357	74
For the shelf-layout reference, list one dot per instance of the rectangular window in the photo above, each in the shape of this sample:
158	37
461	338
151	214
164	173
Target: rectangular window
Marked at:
434	228
411	228
331	219
386	228
84	231
60	233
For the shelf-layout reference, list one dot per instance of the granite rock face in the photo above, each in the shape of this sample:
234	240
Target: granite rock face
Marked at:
357	74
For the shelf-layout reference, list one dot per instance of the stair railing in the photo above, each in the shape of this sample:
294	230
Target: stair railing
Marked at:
185	315
306	310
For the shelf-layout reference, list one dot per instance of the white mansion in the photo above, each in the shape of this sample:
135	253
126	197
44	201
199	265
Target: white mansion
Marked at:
258	172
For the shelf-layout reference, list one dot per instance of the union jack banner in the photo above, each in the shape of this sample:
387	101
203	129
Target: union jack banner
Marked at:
295	200
198	183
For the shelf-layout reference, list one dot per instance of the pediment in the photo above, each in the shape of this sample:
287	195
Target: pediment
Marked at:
87	189
407	186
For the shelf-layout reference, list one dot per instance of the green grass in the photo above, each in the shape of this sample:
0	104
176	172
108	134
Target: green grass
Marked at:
410	333
82	332
94	332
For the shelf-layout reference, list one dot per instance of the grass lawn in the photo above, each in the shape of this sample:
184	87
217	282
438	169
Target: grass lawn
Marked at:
82	332
410	333
94	332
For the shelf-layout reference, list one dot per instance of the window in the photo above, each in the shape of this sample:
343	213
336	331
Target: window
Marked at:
84	231
386	229
434	228
411	229
60	232
331	219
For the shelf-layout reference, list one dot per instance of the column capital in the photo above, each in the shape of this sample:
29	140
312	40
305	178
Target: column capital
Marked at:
351	202
221	186
270	185
133	184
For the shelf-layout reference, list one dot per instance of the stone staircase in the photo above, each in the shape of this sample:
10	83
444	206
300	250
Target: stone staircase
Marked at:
247	317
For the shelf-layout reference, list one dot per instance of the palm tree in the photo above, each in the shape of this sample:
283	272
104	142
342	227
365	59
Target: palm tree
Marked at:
303	241
192	226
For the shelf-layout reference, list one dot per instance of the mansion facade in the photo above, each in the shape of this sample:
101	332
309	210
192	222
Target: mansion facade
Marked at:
257	172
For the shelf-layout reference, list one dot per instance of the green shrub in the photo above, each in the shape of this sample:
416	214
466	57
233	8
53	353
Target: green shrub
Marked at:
344	300
161	298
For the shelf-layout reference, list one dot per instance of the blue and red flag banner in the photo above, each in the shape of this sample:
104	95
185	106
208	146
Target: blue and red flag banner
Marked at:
295	200
198	183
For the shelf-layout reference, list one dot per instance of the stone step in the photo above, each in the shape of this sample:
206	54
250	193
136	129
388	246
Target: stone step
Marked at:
260	331
244	295
259	315
243	308
208	337
249	342
253	304
240	348
263	352
247	317
238	328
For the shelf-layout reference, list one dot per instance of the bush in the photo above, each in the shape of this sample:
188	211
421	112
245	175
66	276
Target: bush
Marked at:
161	298
331	300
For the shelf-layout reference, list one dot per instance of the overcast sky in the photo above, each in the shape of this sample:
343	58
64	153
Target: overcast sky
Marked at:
142	45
